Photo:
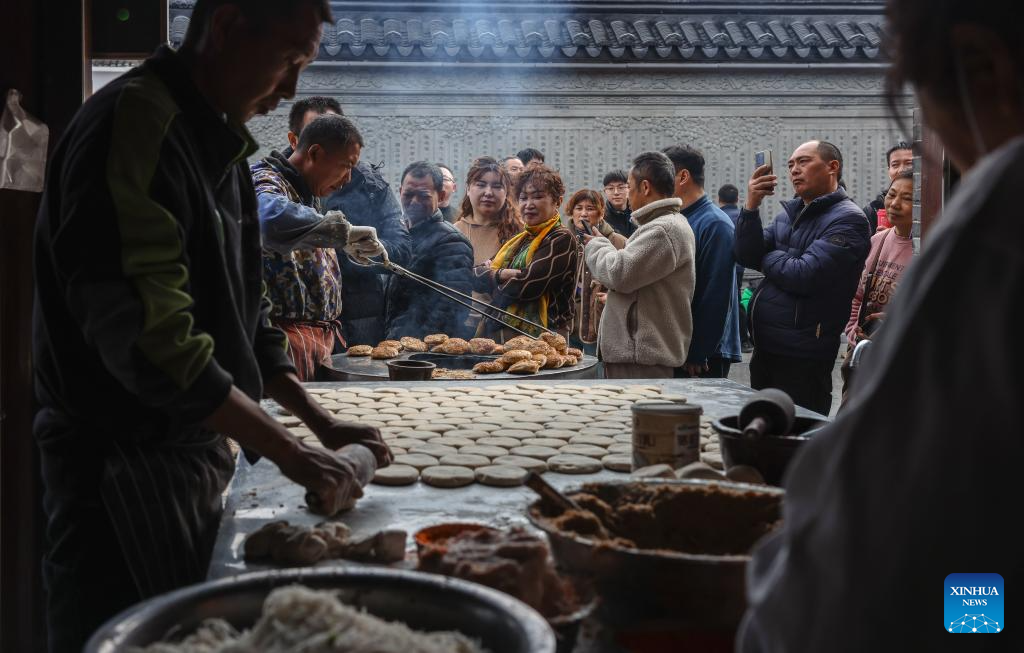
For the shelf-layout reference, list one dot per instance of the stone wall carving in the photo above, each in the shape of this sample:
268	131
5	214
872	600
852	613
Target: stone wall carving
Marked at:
444	116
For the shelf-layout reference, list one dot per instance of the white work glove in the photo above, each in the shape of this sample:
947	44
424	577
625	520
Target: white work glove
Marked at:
363	244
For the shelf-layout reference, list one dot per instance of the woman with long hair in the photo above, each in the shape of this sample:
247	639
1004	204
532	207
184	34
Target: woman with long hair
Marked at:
488	216
919	476
533	275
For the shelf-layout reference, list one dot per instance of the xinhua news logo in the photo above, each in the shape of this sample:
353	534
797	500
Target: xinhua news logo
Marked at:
973	603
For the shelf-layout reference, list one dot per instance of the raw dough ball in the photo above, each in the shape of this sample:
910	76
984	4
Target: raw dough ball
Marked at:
533	451
465	460
588	450
501	475
447	476
527	463
618	462
416	460
568	463
413	344
359	350
396	475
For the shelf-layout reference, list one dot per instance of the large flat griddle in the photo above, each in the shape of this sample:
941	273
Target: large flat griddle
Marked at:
345	368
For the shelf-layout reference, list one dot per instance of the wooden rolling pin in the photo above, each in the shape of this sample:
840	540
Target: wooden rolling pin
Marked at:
344	497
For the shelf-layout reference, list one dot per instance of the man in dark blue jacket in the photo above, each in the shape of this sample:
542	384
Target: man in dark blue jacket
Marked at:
439	252
366	201
811	257
715	344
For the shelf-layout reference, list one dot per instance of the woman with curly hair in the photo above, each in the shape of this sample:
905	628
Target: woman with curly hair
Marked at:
533	275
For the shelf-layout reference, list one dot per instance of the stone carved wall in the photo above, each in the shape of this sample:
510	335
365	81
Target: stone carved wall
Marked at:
588	122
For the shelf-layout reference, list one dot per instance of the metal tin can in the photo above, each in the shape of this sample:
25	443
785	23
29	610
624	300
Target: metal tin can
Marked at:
666	433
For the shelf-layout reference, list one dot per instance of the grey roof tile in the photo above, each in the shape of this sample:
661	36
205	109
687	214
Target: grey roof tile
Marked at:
504	36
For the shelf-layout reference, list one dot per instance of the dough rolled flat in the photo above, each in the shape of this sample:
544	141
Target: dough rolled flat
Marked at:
533	451
416	460
490	451
501	475
570	463
587	450
396	475
465	460
618	462
527	463
447	476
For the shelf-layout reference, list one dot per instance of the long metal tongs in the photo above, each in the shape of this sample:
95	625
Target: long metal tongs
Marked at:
454	295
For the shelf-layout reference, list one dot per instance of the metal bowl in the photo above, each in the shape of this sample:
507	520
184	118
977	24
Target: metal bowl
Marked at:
421	601
770	455
667	584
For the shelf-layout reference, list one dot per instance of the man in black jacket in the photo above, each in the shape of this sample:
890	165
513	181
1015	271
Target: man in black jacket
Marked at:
439	252
616	194
151	339
366	200
900	157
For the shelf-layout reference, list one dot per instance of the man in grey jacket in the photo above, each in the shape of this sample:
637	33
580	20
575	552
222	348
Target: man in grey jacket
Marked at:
646	326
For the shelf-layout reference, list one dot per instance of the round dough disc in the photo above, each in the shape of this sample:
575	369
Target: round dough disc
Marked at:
405	443
452	441
465	460
545	442
518	434
569	463
588	450
396	475
490	451
566	425
501	475
417	460
620	447
596	440
466	434
447	476
533	451
618	462
433	449
496	441
561	434
527	463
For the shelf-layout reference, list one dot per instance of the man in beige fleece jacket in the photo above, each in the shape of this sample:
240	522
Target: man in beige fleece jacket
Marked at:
646	325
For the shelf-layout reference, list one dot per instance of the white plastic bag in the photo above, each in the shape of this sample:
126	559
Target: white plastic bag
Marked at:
23	141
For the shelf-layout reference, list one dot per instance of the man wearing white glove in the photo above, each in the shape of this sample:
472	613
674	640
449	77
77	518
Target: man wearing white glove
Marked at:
300	266
363	244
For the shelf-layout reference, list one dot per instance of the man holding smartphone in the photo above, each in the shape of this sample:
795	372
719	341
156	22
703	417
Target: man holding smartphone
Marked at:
811	256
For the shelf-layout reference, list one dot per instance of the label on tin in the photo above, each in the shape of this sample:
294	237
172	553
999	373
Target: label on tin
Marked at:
671	438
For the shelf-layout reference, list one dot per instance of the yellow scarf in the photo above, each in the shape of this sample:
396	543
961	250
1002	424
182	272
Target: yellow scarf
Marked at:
507	254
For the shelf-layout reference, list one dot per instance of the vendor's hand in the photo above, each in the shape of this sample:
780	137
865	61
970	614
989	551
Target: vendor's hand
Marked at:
335	434
507	274
601	298
762	184
363	244
323	473
695	369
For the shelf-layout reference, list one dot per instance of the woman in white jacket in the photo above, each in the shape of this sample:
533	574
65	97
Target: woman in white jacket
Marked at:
646	325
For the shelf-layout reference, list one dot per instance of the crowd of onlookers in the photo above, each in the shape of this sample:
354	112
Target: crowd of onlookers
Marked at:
646	271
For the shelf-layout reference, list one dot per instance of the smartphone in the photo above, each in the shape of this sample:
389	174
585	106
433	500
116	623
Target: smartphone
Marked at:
762	158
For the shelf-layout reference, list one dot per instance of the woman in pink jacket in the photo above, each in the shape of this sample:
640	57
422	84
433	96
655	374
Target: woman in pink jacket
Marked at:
890	254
